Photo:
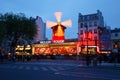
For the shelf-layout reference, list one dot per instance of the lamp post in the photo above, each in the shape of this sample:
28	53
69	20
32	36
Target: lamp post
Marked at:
87	38
77	57
87	56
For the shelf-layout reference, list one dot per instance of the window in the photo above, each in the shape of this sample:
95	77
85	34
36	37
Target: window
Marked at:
85	24
85	30
90	30
95	38
90	17
81	38
95	30
116	34
96	17
85	18
81	18
115	45
90	24
81	31
81	25
95	23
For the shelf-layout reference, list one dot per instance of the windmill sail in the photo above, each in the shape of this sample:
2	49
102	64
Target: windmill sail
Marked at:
67	23
50	24
58	16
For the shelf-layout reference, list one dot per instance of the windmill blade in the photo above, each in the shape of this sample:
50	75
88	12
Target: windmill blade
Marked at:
67	23
58	16
50	24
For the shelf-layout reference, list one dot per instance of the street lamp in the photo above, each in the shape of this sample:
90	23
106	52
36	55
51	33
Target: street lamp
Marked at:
87	56
87	38
77	57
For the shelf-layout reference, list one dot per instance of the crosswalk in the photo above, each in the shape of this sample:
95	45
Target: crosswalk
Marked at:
50	63
35	67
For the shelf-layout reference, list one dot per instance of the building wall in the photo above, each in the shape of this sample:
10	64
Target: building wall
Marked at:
115	34
105	38
41	29
115	38
92	23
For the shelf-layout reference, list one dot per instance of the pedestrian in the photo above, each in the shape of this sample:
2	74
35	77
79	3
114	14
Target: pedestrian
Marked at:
87	59
100	59
95	57
1	55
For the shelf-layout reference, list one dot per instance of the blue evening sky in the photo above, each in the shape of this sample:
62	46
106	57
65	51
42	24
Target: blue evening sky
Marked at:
70	9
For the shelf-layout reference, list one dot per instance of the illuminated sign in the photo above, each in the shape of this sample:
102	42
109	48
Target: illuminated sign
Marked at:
58	41
45	42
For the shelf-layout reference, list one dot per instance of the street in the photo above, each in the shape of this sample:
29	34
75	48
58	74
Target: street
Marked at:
55	70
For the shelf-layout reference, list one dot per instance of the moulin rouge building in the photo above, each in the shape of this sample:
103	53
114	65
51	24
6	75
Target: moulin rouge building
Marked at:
93	37
59	45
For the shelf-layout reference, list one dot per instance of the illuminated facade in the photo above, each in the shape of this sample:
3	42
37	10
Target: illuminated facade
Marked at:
58	33
68	48
91	33
57	45
58	28
93	37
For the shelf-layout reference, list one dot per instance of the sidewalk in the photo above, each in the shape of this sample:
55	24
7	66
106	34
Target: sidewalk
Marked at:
77	62
107	66
111	64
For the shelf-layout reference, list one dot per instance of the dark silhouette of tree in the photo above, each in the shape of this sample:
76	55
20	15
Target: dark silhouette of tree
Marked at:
16	29
17	25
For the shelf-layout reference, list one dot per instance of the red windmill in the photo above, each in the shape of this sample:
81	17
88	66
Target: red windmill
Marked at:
58	28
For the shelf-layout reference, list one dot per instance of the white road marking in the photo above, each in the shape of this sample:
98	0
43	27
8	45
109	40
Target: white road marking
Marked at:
53	69
13	67
44	68
60	68
27	67
35	68
20	67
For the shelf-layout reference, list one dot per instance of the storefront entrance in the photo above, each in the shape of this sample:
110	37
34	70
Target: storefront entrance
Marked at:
91	50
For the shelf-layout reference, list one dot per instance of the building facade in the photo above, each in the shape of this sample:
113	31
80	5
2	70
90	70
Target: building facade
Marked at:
91	31
115	38
41	30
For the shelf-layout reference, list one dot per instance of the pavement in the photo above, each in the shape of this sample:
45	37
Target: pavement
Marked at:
77	63
59	70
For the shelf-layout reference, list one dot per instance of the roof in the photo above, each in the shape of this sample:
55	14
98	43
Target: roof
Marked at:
115	30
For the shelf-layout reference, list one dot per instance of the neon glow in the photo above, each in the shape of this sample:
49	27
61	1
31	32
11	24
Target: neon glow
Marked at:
59	31
55	49
58	28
